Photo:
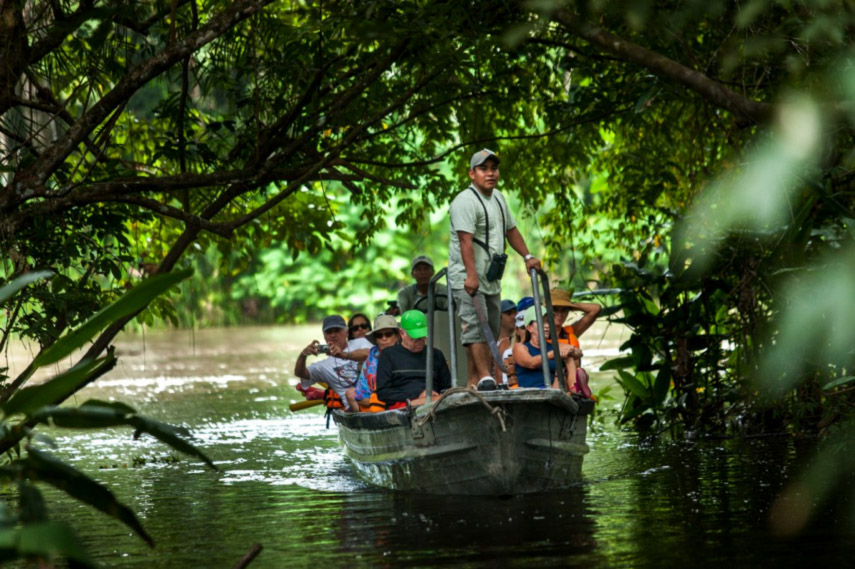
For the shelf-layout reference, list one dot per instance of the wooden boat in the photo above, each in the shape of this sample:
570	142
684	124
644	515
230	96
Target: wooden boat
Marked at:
500	442
476	443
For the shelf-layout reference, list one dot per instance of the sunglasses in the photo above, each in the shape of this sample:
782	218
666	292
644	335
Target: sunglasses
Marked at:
384	334
355	327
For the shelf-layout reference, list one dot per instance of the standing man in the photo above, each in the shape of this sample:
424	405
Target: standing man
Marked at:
480	223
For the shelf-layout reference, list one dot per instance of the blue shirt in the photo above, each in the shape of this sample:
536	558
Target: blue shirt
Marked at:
528	377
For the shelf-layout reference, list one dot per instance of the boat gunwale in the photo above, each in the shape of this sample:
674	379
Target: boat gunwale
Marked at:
403	417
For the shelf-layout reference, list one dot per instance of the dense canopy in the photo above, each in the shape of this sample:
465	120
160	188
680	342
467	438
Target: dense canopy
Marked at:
694	154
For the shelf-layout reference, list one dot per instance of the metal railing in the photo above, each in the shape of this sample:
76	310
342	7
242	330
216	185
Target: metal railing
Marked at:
452	334
553	333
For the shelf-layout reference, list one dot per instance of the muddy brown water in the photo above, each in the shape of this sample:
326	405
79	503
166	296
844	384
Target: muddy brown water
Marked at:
282	481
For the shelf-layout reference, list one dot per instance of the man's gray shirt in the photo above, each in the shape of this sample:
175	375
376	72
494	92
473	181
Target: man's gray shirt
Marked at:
467	214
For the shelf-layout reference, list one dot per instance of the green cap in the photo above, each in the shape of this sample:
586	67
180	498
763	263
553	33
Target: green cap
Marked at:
531	314
414	323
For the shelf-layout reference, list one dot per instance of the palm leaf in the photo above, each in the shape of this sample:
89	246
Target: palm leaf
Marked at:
98	414
47	540
132	301
30	399
7	290
39	465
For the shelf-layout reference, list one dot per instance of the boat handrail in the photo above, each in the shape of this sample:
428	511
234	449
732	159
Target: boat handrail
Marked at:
547	301
451	332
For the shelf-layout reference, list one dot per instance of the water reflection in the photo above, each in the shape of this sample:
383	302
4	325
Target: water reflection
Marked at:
282	481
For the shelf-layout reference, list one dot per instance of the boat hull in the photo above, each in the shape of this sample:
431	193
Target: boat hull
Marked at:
485	443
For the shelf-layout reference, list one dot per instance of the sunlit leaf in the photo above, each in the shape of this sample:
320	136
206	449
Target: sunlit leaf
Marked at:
618	363
839	382
633	385
9	289
132	301
55	390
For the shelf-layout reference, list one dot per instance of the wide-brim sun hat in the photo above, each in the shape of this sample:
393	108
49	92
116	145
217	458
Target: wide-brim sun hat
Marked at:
560	297
382	322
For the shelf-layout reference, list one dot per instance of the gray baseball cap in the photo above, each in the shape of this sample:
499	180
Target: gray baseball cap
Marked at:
421	259
333	321
482	156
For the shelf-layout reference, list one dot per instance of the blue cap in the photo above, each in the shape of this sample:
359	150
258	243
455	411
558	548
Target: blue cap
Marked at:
508	305
525	303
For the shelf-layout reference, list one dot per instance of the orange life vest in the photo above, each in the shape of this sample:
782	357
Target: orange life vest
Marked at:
332	400
374	404
570	337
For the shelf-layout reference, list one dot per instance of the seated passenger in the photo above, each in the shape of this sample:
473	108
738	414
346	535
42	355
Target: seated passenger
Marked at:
561	307
385	335
358	326
506	332
340	368
401	368
508	354
414	296
528	354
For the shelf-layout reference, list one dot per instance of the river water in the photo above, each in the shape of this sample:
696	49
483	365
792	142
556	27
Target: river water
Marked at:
282	482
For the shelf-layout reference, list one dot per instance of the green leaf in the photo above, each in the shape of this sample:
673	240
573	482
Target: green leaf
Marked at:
7	290
32	503
618	363
839	381
130	302
634	412
117	405
609	310
49	539
634	386
98	414
39	465
661	385
30	399
650	306
81	417
168	434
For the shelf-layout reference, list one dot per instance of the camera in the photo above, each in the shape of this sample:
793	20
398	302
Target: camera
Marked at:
323	348
497	267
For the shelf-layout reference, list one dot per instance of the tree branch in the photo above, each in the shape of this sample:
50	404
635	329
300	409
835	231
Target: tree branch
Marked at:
479	141
31	181
747	111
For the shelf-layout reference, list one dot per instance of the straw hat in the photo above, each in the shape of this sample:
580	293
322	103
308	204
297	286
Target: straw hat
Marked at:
560	297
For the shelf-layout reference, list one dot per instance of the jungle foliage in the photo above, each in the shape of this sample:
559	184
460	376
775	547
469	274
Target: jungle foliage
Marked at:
26	531
695	154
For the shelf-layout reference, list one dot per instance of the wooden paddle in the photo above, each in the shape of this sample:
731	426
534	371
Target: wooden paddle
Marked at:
300	405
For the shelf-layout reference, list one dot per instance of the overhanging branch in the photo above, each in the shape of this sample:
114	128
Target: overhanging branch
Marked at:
747	111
